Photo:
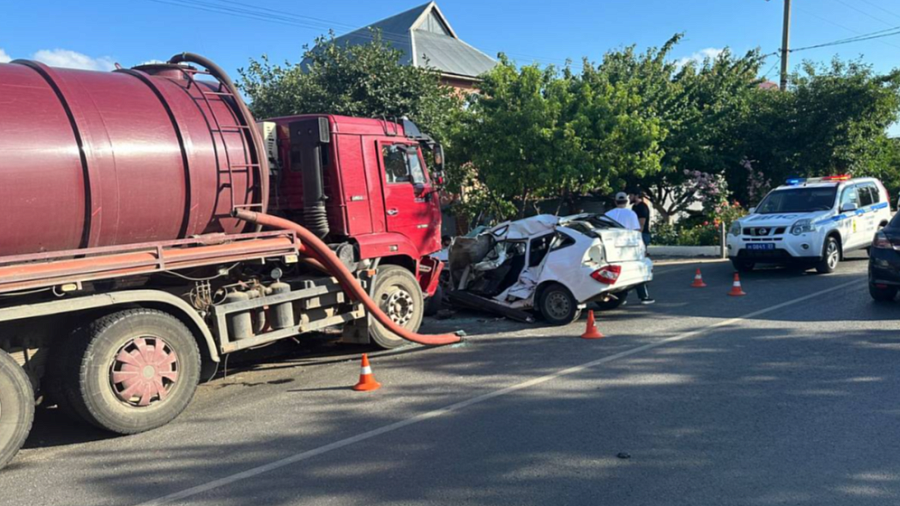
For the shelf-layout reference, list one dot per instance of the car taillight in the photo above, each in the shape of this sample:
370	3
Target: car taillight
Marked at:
607	275
882	242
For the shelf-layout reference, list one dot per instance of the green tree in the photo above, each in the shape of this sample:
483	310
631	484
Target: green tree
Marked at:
695	104
832	119
539	133
364	80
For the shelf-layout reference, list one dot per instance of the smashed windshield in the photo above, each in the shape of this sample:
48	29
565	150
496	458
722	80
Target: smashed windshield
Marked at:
798	200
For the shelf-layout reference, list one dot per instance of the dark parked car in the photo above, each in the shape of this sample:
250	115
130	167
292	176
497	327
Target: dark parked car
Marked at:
884	262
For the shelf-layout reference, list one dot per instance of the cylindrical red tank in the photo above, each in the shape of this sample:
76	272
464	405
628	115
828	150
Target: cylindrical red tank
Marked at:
110	158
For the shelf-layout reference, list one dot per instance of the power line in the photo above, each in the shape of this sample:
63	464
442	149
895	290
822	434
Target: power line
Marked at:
773	67
881	8
864	13
813	14
849	41
247	11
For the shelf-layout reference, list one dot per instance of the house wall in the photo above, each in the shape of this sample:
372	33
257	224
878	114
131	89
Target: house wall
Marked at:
463	85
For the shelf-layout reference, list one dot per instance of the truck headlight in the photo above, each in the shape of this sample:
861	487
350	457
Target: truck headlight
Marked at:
802	227
735	229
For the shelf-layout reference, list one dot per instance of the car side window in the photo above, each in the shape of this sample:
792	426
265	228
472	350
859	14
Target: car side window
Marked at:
849	196
415	167
866	198
396	167
540	246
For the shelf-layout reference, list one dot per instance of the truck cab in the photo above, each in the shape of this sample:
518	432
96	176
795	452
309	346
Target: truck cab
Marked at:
364	187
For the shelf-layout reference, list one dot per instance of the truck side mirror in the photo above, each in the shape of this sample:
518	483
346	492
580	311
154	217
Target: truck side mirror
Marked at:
438	158
848	207
751	210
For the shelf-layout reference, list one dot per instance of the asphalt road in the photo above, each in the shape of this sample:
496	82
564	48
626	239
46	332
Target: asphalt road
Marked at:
786	396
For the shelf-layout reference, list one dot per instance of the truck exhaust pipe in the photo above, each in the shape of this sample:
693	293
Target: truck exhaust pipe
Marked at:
308	139
313	247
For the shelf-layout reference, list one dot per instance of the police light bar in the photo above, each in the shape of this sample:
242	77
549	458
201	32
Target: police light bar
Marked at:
794	181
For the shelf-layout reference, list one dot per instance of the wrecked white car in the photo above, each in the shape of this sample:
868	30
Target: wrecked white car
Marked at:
550	265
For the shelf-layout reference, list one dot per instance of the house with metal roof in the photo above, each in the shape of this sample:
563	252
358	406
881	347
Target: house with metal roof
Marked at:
427	40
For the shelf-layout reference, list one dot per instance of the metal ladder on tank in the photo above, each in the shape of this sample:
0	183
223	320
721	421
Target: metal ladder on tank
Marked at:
220	129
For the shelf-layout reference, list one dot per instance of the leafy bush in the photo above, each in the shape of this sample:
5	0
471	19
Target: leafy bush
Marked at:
698	231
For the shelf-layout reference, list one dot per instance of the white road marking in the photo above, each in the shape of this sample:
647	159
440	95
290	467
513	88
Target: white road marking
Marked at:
256	471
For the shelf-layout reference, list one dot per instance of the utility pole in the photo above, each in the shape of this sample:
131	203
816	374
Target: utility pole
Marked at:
785	42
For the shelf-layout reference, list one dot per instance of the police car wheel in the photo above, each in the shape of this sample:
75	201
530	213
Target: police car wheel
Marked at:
831	256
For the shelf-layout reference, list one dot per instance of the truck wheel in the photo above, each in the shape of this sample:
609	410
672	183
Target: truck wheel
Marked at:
127	372
882	294
399	296
742	265
831	256
558	306
16	408
613	303
435	302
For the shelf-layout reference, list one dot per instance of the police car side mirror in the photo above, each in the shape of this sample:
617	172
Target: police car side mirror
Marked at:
848	207
751	210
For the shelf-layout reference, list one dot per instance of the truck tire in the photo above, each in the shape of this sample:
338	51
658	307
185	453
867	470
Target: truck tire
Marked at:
831	256
399	295
558	306
16	408
128	372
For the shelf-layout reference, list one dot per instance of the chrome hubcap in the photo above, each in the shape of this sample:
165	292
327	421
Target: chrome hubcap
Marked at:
558	305
144	371
832	255
399	305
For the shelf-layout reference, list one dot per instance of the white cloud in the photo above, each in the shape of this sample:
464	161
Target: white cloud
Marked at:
73	60
4	58
699	56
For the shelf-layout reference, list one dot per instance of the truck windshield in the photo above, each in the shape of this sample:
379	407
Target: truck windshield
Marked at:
798	200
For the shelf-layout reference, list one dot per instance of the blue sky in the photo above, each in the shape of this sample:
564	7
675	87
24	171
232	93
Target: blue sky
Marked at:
95	33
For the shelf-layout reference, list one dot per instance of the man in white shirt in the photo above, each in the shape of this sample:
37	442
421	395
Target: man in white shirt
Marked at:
622	214
629	220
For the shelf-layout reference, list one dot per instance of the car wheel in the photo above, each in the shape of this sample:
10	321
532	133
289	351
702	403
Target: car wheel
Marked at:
399	296
435	302
558	306
831	256
742	265
612	302
16	408
882	294
128	372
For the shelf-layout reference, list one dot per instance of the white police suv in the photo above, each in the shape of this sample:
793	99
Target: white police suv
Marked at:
810	222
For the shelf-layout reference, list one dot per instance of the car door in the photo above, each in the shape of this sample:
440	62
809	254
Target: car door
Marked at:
407	194
868	197
849	225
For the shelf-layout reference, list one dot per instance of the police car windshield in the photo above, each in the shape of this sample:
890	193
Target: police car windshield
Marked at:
798	200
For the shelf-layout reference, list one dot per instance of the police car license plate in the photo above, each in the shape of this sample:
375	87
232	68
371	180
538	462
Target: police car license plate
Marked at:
761	246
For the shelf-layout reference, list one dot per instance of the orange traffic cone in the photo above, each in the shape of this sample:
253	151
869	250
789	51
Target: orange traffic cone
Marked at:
736	290
591	332
698	280
366	378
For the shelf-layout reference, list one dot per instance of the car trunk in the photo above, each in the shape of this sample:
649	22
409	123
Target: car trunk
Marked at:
620	245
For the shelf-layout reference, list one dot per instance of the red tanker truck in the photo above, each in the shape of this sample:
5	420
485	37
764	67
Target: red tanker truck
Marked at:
150	226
